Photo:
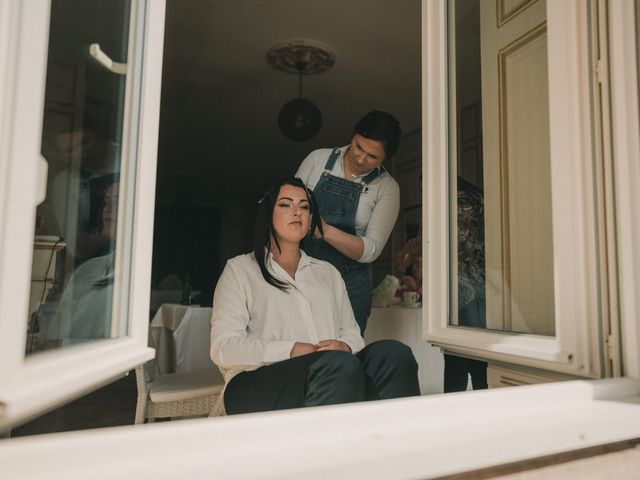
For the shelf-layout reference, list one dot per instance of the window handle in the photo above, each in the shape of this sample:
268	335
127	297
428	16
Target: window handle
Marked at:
43	172
103	59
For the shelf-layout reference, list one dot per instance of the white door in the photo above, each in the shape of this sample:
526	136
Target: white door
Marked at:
517	181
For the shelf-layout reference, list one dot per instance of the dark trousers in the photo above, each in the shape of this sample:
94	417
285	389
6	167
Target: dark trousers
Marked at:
457	371
359	282
384	369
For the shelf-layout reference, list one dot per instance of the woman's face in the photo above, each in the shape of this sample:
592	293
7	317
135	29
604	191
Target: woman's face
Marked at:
291	214
110	211
364	154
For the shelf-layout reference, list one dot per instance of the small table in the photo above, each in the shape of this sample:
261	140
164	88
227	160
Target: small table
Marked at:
180	334
405	324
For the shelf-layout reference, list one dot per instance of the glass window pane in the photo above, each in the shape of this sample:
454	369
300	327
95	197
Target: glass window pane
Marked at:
501	230
74	249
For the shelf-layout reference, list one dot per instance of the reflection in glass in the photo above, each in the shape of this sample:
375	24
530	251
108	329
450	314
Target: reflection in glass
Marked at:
73	266
502	249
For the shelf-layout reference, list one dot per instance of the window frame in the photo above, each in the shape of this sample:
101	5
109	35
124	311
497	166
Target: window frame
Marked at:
575	348
31	385
625	121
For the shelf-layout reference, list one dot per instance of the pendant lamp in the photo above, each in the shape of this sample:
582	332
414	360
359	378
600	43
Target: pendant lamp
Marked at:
300	119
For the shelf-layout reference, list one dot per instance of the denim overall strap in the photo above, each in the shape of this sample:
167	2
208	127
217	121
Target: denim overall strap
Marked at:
338	200
331	161
373	174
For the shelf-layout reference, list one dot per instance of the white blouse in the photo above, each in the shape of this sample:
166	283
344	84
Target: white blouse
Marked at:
255	324
379	202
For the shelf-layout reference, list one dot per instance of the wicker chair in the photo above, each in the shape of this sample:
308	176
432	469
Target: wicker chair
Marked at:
196	393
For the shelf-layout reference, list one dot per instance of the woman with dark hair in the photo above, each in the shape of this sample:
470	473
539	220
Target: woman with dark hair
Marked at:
358	202
83	312
283	331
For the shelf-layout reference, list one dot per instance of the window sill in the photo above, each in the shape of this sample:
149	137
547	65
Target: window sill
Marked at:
421	437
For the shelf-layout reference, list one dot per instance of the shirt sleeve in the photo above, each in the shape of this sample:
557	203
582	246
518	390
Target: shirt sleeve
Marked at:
231	346
383	218
305	169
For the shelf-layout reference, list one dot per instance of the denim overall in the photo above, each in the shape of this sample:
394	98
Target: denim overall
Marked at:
338	200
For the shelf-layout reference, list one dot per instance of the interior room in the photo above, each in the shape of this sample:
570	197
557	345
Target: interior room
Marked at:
220	143
219	140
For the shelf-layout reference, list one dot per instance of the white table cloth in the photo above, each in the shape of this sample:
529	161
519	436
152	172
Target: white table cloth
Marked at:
180	335
405	324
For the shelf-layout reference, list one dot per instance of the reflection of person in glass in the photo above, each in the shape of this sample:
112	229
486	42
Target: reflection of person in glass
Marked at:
88	161
84	309
471	286
283	331
359	203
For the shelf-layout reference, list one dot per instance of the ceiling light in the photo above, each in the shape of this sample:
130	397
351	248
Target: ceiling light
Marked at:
300	119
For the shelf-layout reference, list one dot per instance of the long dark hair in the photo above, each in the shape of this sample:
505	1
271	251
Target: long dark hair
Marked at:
264	226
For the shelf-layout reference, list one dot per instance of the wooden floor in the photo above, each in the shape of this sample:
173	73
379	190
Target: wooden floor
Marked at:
112	405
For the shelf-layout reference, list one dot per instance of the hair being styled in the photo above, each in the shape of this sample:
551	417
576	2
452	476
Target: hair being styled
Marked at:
383	127
265	231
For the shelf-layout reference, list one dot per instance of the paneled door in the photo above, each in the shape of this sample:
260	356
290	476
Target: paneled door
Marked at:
517	173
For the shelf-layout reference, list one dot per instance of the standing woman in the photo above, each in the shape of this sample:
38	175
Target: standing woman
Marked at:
358	202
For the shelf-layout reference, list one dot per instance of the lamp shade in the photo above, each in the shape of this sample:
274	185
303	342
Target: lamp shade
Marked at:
299	119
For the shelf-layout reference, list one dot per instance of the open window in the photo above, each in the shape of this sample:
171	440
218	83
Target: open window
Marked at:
514	213
79	125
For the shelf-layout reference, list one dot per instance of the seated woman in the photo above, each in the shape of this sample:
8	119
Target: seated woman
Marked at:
283	331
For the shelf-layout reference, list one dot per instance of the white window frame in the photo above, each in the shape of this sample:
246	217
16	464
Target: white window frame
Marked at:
575	347
626	154
34	384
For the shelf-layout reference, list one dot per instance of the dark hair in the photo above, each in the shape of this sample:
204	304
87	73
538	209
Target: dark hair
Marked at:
383	127
264	226
97	194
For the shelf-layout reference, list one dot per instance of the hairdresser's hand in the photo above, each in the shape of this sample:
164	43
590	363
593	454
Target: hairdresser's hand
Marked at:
333	345
302	348
325	227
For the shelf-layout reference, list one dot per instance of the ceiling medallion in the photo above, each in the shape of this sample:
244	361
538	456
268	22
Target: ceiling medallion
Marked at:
288	56
300	119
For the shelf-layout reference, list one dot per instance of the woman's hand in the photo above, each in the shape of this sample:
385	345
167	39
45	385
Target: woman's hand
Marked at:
302	348
351	246
316	233
333	345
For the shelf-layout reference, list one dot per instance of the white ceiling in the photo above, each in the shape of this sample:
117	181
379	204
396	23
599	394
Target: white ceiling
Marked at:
219	139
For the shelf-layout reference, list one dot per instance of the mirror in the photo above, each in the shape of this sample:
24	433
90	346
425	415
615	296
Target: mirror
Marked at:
500	205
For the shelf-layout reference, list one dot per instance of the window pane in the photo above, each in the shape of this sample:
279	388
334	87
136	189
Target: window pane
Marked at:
502	262
74	249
